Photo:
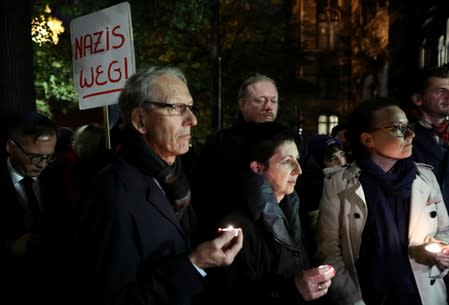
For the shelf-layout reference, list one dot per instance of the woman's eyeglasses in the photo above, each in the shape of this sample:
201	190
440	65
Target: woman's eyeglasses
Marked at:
399	130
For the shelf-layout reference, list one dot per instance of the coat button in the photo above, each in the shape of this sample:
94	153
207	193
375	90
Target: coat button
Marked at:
433	214
432	281
356	215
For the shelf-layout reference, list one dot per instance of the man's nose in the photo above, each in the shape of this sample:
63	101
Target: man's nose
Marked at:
268	104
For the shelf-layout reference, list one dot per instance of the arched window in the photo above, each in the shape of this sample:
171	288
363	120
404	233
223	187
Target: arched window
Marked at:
441	51
323	124
326	123
422	55
447	41
333	121
329	21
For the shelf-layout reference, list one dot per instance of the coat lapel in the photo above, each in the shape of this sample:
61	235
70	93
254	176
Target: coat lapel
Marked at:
421	208
157	198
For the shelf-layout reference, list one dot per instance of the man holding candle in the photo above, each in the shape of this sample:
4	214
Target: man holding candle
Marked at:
134	239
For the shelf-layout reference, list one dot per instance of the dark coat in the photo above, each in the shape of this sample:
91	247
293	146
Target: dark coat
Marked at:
263	271
133	248
29	278
215	182
221	161
427	150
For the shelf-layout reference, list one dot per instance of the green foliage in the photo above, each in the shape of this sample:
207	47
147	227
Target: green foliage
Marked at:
53	82
176	33
53	71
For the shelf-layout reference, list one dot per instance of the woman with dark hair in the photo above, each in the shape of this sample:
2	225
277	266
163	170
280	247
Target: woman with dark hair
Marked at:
325	156
273	266
378	214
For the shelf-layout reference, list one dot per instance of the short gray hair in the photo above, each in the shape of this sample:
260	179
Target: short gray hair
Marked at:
251	79
138	89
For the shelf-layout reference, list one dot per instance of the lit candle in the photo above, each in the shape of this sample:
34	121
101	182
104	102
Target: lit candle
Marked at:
433	248
229	228
325	268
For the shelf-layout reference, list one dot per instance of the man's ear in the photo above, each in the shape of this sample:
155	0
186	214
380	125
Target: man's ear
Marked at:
366	139
417	99
257	167
241	103
8	146
137	120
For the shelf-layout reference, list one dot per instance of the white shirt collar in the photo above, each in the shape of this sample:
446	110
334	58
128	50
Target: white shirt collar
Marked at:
15	176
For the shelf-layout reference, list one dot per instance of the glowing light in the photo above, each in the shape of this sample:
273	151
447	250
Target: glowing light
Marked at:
230	228
46	29
433	248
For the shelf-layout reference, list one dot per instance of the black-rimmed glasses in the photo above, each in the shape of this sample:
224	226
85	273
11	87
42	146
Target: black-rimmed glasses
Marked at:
399	130
175	109
35	158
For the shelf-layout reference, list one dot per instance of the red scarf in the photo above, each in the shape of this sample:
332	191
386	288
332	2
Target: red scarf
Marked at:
443	132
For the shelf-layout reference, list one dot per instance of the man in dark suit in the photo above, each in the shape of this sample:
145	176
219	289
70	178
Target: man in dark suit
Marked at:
30	146
133	242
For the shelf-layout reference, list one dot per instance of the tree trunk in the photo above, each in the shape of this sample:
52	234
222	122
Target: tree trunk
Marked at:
16	57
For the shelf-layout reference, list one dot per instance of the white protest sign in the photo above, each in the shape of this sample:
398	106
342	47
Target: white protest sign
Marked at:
103	55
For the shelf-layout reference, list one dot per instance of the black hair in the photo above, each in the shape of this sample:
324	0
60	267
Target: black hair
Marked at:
361	120
330	151
337	128
262	140
421	81
32	124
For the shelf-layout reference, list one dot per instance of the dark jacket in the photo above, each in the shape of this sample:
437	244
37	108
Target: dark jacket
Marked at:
263	271
215	177
132	247
215	184
31	277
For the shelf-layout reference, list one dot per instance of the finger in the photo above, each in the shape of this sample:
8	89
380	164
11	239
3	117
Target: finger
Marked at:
318	278
224	238
328	276
236	244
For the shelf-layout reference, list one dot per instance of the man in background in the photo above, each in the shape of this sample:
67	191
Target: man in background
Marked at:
221	158
430	95
25	208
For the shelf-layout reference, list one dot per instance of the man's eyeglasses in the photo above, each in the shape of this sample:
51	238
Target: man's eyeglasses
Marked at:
35	158
175	109
399	130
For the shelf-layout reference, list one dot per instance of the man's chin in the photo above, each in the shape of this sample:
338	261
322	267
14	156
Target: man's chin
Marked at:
34	174
266	118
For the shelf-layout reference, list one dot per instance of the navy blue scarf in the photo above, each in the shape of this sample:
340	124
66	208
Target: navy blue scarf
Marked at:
383	267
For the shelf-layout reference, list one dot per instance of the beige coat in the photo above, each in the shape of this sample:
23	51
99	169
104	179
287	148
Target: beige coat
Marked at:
342	216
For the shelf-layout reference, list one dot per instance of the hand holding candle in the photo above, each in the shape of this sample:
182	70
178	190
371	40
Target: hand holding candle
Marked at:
440	254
